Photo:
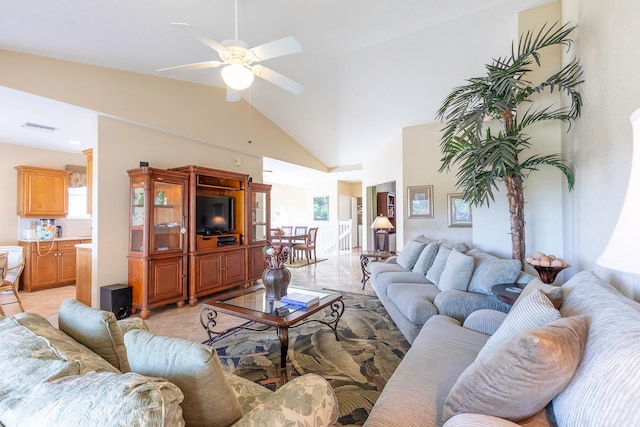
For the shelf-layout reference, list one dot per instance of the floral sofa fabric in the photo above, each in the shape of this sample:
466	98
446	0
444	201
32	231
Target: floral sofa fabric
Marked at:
49	378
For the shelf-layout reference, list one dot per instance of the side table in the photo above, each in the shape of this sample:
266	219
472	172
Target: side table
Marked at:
364	262
508	293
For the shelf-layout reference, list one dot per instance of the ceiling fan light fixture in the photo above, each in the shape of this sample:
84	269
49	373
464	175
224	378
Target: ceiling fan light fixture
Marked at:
237	77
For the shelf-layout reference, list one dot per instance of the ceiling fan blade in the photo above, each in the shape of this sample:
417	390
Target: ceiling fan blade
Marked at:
233	95
280	47
278	79
200	37
191	67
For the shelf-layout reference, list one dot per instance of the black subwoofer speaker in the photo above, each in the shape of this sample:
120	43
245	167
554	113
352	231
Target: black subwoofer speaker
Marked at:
116	299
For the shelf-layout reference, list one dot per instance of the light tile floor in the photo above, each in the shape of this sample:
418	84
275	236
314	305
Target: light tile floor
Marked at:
340	272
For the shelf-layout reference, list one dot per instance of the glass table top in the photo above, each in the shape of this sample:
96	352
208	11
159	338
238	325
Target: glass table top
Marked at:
256	301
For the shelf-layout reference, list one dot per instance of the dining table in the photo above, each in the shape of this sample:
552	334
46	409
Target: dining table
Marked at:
290	240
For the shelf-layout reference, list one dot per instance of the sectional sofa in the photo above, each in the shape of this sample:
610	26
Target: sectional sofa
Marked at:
566	356
94	371
432	277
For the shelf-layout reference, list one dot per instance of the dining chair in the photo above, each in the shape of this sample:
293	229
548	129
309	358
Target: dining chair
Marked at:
275	235
308	246
287	230
299	230
11	266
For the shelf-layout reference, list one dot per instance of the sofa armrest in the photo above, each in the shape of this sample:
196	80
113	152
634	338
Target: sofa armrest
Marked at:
478	420
131	323
485	321
460	304
308	400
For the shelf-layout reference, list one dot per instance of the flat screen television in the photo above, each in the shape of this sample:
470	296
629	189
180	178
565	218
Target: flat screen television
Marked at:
214	214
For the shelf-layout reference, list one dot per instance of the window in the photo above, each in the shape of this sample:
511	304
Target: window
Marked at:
78	202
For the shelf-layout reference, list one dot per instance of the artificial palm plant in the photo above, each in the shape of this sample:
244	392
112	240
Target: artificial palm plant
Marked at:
485	157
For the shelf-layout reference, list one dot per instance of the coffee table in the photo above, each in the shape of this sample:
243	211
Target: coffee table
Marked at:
251	304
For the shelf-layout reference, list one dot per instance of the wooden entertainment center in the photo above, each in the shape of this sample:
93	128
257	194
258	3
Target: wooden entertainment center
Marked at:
172	257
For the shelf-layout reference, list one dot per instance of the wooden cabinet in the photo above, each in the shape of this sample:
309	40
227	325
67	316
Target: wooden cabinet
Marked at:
49	264
259	225
217	261
387	207
89	156
42	193
157	238
83	274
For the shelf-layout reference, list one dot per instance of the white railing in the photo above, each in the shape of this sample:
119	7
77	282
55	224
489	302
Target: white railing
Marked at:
333	237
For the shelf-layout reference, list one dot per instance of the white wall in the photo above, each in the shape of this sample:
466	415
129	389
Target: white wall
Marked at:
600	145
288	206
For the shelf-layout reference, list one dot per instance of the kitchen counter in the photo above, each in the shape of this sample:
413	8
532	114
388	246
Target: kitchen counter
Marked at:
58	239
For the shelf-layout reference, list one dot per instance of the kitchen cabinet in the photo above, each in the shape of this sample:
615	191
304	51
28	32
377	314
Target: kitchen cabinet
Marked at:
157	253
42	193
49	263
83	273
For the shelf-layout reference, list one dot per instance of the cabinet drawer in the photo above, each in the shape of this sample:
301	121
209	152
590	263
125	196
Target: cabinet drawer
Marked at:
44	246
65	245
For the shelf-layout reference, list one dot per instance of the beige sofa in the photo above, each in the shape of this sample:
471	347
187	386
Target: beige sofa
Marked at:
576	366
432	277
94	371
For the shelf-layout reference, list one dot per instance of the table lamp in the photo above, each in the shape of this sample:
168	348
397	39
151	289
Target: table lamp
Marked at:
621	253
381	226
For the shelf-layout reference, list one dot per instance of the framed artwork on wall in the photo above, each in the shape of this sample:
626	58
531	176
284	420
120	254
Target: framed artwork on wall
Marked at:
321	208
420	199
459	211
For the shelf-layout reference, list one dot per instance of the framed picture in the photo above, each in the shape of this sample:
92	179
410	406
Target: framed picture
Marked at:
420	201
459	211
321	208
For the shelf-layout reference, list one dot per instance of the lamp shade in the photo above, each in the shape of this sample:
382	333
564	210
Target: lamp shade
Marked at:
381	222
237	77
622	251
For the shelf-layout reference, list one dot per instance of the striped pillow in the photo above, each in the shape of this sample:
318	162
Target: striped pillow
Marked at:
531	312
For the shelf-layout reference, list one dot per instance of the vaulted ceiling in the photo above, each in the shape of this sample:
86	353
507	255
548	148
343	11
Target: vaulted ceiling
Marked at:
370	67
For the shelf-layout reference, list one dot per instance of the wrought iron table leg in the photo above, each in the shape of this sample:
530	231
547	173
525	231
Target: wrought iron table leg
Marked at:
364	262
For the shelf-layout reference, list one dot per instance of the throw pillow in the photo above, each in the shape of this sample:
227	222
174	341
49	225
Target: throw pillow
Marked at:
195	368
554	293
533	311
521	379
434	273
425	260
457	272
96	329
409	254
490	270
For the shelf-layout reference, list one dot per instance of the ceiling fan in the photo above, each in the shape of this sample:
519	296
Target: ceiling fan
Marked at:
241	63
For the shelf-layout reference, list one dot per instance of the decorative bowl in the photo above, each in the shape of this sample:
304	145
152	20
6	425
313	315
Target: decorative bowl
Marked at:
548	274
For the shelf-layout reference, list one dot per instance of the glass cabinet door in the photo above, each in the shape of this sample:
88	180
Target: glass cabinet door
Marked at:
136	239
166	234
259	216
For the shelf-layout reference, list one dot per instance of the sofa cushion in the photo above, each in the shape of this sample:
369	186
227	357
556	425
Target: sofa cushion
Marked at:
522	377
533	311
384	280
490	270
457	272
415	301
425	260
375	268
96	329
554	293
439	263
424	239
409	254
195	368
98	399
606	386
458	246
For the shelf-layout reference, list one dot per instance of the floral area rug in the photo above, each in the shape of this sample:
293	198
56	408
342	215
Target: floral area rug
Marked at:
358	366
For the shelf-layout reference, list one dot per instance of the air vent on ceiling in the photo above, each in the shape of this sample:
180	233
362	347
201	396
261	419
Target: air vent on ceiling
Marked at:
37	126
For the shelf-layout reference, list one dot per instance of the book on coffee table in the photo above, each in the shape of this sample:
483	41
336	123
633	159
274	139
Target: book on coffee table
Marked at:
300	299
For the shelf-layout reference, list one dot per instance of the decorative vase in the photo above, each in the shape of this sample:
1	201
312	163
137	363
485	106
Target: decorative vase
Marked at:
276	281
